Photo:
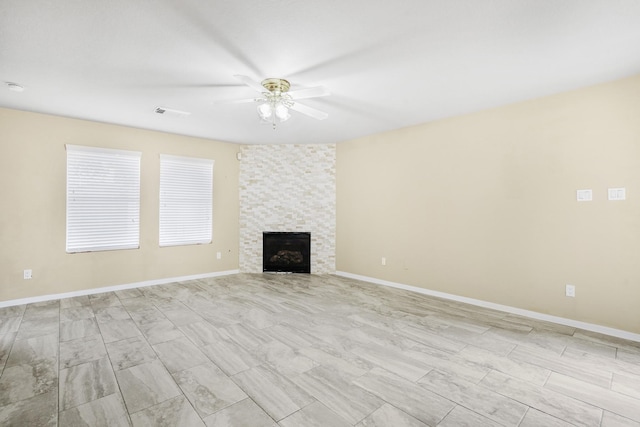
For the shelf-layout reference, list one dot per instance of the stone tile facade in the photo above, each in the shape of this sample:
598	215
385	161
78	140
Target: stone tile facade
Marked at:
288	188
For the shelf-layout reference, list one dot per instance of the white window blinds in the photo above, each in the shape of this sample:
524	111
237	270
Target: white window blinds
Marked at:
103	199
186	200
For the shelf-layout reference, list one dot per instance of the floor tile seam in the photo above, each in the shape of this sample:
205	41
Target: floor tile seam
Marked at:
445	416
552	371
115	377
111	319
617	366
351	383
521	363
60	367
384	402
246	398
85	403
612	341
626	418
153	404
259	406
600	408
553	359
575	340
635	379
56	379
423	386
621	395
192	341
13	343
539	391
443	360
209	362
529	408
265	365
576	376
309	404
490	417
627	395
30	397
3	309
540	409
130	414
17	327
186	398
249	395
431	345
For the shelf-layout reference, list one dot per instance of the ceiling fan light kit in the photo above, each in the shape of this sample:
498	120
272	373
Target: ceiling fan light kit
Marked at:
276	100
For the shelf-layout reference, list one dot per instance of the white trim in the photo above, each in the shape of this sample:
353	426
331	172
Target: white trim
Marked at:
87	149
146	283
505	308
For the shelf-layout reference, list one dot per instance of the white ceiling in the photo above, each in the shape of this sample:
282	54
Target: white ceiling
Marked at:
388	64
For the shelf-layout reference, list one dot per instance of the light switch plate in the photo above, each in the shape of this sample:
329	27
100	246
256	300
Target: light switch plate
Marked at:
584	195
617	193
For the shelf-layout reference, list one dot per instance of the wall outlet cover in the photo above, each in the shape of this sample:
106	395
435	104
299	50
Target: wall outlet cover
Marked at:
570	291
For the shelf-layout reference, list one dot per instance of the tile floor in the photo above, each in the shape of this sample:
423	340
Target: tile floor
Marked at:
299	350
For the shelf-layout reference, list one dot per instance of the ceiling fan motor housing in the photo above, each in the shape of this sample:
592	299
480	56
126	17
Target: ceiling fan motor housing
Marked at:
276	85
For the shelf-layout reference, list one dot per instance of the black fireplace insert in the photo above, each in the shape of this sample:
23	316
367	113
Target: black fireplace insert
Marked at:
286	252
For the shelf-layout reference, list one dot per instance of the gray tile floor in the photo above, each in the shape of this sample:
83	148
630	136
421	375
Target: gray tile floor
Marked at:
300	350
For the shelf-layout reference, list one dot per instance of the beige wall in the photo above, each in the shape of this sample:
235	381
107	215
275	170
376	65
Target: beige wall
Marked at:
484	206
33	203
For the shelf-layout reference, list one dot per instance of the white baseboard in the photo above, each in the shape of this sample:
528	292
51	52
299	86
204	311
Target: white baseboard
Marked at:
505	308
146	283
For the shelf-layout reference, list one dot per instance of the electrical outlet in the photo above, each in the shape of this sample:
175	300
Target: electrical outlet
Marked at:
383	261
219	255
27	274
570	291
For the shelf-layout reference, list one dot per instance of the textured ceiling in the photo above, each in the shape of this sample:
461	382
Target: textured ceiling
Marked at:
387	64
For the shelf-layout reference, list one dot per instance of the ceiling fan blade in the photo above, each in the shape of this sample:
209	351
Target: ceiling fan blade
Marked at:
251	83
308	93
236	101
309	111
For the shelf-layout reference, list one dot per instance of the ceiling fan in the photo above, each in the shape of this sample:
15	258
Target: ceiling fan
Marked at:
276	100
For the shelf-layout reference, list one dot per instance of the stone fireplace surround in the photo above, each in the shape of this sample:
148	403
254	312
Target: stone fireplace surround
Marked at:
288	188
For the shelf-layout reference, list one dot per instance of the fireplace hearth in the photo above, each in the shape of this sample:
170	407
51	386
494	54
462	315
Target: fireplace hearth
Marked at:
286	252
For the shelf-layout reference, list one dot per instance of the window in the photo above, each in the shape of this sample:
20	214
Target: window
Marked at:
186	199
103	199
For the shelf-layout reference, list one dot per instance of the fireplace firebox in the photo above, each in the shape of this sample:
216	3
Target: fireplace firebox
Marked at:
286	252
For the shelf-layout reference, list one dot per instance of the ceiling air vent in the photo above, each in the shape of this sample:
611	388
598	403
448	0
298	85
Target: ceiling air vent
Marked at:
171	112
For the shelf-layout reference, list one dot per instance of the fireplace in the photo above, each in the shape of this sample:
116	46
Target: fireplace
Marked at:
286	252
